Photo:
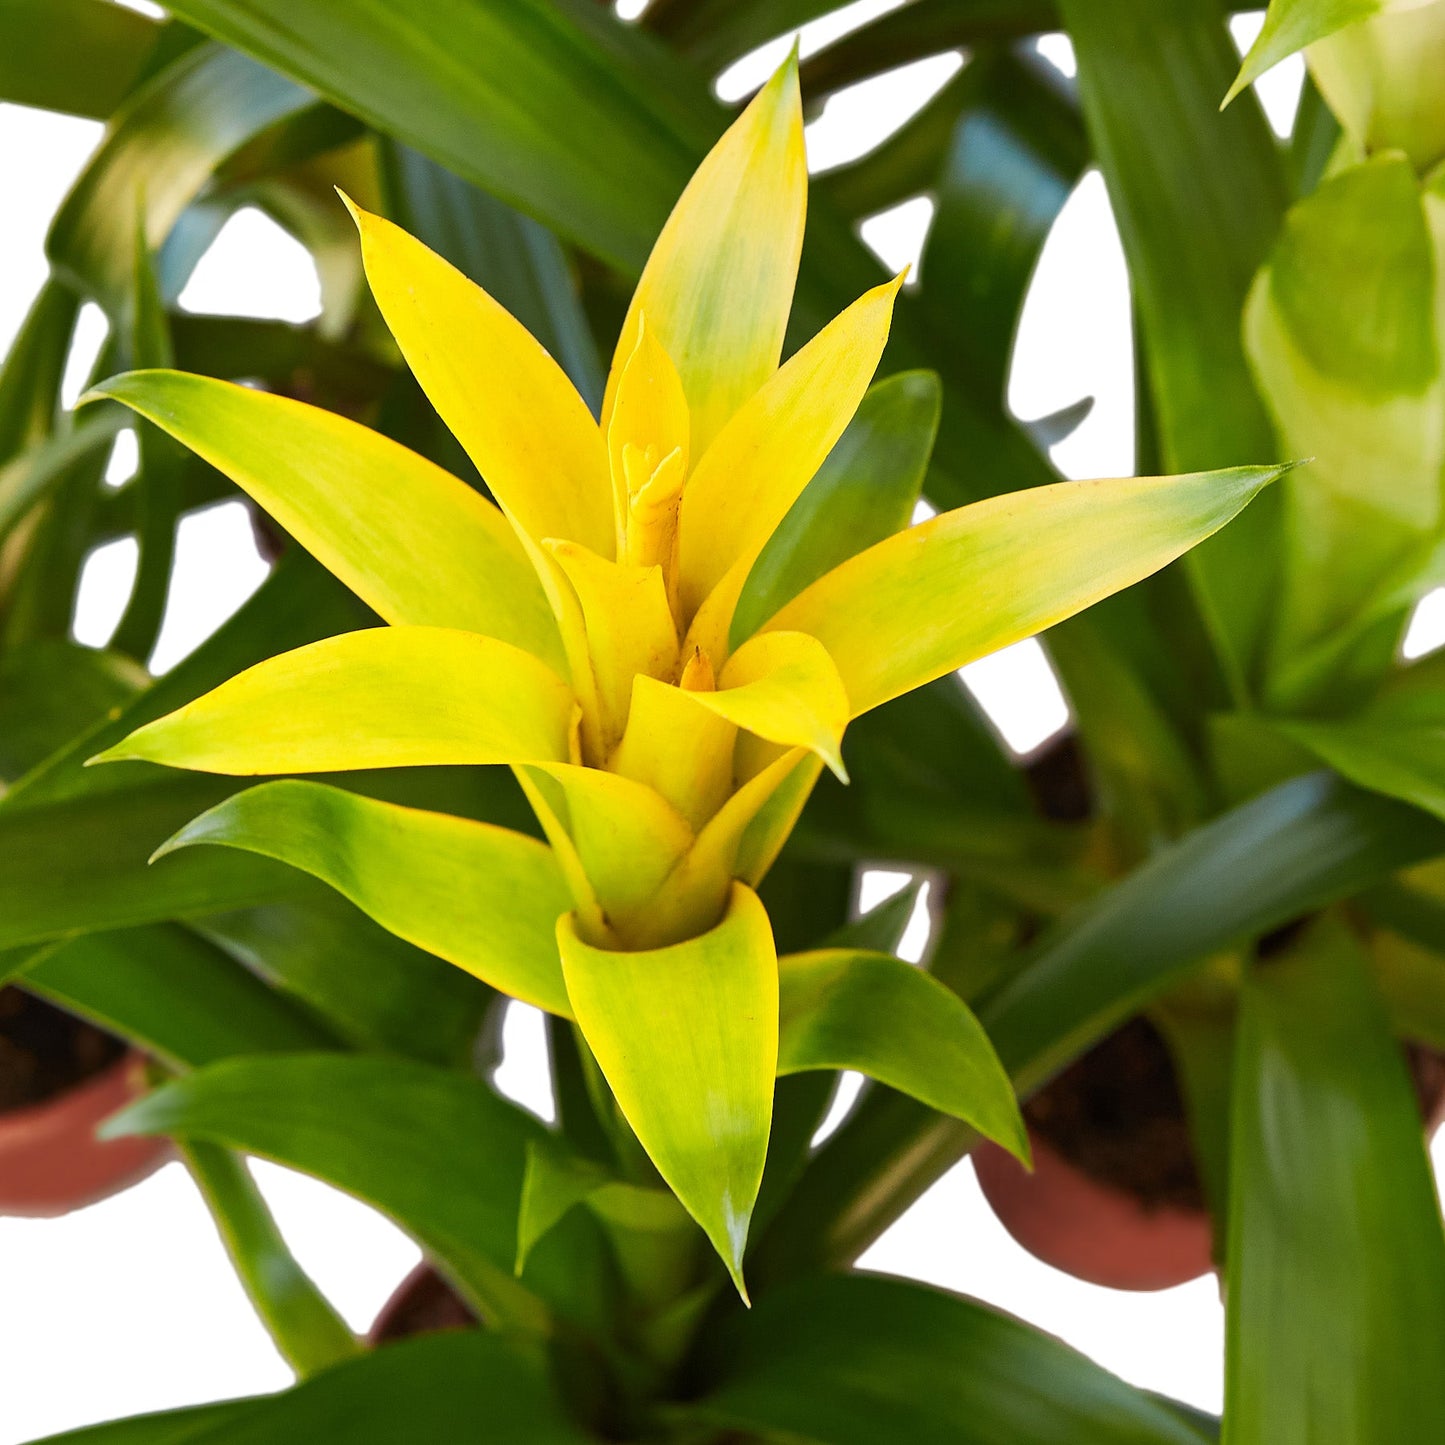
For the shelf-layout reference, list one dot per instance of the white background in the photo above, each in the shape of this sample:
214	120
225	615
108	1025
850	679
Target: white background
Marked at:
130	1305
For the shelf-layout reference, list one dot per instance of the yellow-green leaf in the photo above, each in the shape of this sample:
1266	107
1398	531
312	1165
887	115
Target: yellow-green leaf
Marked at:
1290	25
687	1037
479	896
382	697
968	582
742	488
411	540
510	405
850	1009
719	283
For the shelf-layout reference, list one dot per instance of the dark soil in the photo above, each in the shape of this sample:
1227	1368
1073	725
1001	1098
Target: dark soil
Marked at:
1117	1115
425	1304
44	1050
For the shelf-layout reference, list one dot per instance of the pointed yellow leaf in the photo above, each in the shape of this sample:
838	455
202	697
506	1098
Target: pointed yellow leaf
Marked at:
649	423
411	540
680	750
719	283
479	896
968	582
380	698
783	686
508	403
629	626
742	488
849	1009
626	838
687	1038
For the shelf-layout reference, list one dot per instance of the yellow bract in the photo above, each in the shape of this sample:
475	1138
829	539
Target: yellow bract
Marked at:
580	631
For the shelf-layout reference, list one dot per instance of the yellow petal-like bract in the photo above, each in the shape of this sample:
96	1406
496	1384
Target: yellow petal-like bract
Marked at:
580	632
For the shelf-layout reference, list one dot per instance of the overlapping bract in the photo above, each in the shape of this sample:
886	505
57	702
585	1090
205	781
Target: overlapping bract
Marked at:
582	633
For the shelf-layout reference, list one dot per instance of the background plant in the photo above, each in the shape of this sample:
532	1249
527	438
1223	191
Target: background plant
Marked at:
1286	304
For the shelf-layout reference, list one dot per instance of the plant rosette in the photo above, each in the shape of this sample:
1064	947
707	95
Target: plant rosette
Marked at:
585	630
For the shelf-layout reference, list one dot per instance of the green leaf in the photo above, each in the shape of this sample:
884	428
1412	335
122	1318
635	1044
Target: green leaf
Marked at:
1339	330
892	619
1299	847
412	541
45	466
848	1009
533	101
687	1039
80	56
307	1330
1334	1222
440	1388
51	690
864	491
173	995
377	698
159	152
1198	198
855	1360
33	368
1290	25
437	1151
482	897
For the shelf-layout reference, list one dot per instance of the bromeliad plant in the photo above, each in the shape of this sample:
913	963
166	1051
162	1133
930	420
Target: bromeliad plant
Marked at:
569	717
583	631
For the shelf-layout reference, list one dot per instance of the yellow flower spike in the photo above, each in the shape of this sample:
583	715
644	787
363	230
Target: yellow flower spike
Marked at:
509	404
630	631
718	286
756	469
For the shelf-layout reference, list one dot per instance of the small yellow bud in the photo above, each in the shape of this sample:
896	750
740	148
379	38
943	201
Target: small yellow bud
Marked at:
697	675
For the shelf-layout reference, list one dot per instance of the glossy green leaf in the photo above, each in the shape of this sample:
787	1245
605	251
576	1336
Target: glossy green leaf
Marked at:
1334	1223
440	1388
687	1039
436	1150
1306	843
80	56
864	491
848	1009
533	101
173	995
482	897
306	1329
411	540
381	697
164	147
856	1360
964	584
1198	198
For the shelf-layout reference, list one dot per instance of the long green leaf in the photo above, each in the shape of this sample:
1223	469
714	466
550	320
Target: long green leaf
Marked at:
858	1360
173	995
307	1330
437	1151
848	1009
1334	1225
483	897
1198	198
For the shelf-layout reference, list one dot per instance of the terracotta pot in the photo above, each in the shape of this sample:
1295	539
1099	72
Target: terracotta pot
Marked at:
1092	1230
50	1160
423	1303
